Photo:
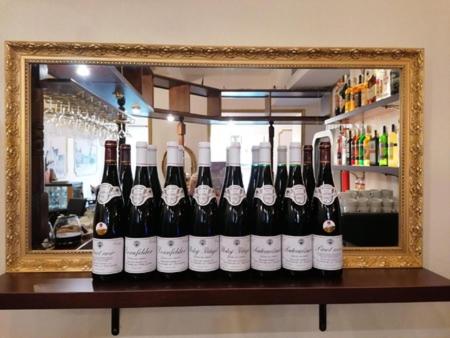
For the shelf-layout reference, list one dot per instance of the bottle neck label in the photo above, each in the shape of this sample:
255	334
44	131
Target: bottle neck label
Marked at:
203	195
140	194
297	194
172	195
326	194
266	194
106	192
234	194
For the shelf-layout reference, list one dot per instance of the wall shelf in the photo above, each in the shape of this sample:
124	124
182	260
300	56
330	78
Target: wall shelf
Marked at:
375	169
361	112
76	290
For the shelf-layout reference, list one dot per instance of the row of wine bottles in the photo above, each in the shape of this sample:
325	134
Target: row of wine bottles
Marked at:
274	225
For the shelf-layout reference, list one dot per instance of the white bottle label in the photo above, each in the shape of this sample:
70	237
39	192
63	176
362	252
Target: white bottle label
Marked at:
326	194
266	252
140	254
140	194
266	194
172	255
327	252
172	195
234	194
203	194
297	194
204	253
106	192
107	256
297	252
235	253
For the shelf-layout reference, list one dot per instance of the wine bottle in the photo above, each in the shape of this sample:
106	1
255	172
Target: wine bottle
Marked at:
297	233
308	173
126	175
172	240
374	150
234	225
140	234
107	244
266	232
393	148
361	139
153	173
327	237
253	174
348	148
366	147
383	148
282	174
204	234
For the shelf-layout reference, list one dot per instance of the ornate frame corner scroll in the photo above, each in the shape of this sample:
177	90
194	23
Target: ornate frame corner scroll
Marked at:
21	54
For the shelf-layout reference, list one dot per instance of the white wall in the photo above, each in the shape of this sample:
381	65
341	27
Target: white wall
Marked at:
385	23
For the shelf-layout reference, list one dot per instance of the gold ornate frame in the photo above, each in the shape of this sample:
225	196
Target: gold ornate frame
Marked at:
19	56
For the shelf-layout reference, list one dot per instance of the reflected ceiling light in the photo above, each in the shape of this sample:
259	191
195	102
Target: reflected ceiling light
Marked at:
170	118
83	70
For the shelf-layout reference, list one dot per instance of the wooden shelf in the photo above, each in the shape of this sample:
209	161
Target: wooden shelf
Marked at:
76	290
361	112
376	169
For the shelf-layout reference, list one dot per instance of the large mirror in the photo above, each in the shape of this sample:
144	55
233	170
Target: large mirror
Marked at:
363	102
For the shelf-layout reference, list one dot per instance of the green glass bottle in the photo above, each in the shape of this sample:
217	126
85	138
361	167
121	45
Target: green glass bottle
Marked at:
361	147
383	148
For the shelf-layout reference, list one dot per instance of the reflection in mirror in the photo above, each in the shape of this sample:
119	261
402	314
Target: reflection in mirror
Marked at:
80	106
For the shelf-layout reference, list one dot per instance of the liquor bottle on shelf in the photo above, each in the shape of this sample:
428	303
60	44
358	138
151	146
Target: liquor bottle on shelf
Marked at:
342	95
233	221
153	174
364	90
337	97
394	81
126	175
172	240
371	87
362	136
339	150
107	244
366	147
374	150
358	91
383	148
204	234
282	172
348	148
327	237
266	232
393	148
308	172
355	148
140	233
297	232
253	174
349	97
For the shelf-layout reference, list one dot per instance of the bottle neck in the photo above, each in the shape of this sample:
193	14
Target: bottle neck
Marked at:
265	175
110	174
204	176
295	175
234	176
141	176
173	176
325	175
